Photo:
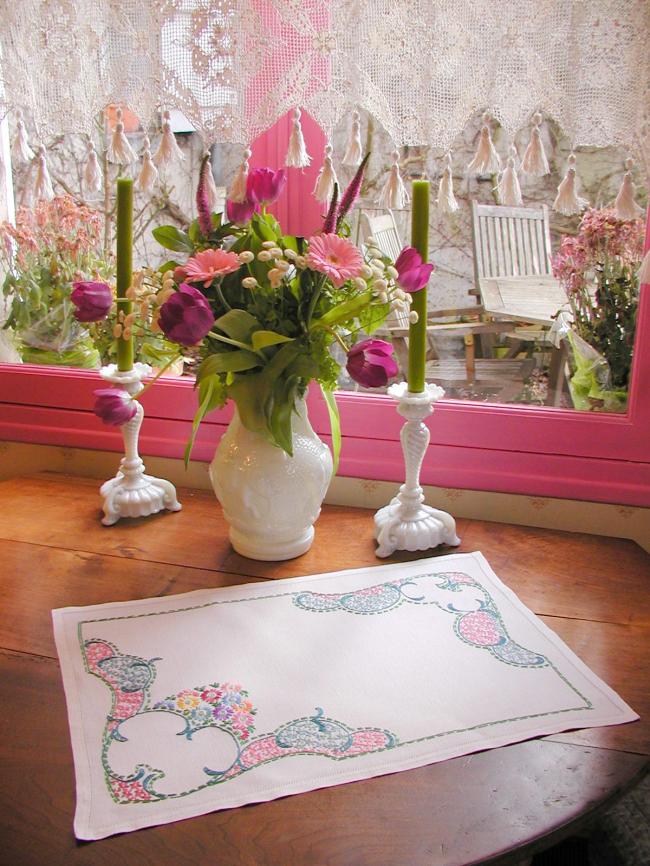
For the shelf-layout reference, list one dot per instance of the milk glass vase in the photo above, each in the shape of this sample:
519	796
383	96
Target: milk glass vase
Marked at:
271	499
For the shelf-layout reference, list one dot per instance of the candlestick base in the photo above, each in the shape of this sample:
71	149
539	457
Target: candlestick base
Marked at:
406	523
133	493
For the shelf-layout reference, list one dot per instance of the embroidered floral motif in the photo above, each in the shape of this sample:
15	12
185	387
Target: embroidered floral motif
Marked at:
224	706
478	621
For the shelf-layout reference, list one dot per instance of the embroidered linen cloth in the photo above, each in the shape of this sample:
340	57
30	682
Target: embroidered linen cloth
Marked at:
212	699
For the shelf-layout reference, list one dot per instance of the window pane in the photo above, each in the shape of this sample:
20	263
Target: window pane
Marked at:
526	306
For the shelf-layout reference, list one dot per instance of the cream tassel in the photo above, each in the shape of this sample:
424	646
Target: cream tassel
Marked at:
148	173
119	149
508	186
324	188
214	199
644	272
22	150
237	192
354	150
394	195
567	201
626	207
43	184
446	200
168	149
486	159
297	156
534	161
93	179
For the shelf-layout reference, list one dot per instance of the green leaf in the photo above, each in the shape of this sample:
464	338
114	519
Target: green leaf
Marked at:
172	238
251	394
262	339
305	367
290	242
228	362
211	396
281	360
335	425
237	324
216	220
284	396
347	310
194	232
263	229
168	266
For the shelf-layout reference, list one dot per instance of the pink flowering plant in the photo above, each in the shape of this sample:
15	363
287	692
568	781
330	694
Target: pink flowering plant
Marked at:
598	270
264	308
51	247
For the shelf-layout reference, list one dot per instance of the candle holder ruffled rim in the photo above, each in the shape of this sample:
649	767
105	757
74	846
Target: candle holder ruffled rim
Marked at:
133	493
406	523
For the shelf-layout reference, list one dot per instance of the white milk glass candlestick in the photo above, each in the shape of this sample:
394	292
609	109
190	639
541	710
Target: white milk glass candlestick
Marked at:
407	523
132	493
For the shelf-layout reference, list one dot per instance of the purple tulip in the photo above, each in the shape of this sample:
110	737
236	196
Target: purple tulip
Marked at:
413	273
186	316
92	300
114	406
371	363
263	185
240	212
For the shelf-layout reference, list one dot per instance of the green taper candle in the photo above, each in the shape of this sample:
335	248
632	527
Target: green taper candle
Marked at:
418	330
124	262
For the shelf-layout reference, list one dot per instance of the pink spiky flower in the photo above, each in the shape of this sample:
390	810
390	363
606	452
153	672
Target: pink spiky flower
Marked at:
202	199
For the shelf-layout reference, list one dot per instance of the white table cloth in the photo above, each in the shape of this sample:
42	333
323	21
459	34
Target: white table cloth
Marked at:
208	700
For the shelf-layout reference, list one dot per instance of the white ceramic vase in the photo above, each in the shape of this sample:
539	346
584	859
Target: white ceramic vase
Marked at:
271	500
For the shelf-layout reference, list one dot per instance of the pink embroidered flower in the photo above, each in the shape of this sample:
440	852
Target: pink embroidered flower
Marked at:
206	266
211	695
336	257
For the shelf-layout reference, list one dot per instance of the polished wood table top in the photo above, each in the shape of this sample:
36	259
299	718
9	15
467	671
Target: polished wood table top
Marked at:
496	806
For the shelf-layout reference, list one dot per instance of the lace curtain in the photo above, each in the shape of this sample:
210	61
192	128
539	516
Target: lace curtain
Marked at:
423	68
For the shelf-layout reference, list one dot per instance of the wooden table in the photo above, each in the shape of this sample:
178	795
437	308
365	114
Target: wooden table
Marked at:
495	807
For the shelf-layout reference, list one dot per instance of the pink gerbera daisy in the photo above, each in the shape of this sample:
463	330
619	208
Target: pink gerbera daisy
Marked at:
205	267
336	257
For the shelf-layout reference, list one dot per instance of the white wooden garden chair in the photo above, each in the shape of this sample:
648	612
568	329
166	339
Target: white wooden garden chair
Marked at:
514	276
512	264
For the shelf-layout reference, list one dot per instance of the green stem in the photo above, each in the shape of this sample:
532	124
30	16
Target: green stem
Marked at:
314	300
221	297
339	339
238	344
160	372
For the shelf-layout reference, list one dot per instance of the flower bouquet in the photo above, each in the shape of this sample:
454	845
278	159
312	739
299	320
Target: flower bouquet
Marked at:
264	308
598	270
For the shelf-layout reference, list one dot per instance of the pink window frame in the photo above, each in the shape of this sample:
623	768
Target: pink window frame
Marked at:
511	449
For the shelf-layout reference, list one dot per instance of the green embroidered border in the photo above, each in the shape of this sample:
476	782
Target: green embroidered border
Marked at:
396	743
